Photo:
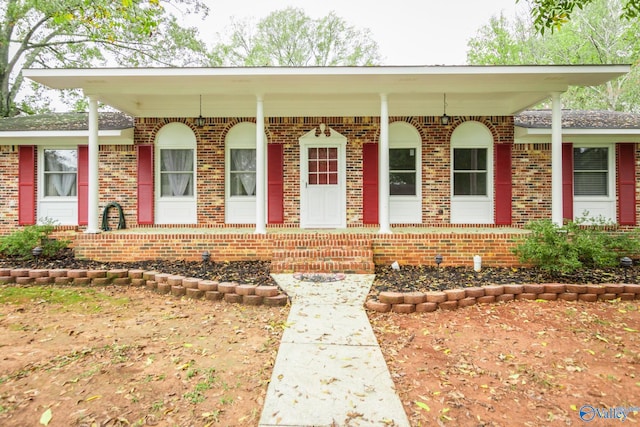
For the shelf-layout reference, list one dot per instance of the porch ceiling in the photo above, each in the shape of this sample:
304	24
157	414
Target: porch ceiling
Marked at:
317	91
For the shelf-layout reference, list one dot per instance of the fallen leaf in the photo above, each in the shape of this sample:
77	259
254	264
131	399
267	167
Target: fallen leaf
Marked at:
422	405
46	417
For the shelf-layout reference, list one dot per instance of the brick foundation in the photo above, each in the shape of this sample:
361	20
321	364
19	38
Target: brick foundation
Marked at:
354	252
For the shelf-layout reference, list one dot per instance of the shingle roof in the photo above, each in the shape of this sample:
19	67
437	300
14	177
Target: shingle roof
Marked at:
65	121
579	119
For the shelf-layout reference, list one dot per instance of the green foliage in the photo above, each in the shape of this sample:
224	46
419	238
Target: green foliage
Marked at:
594	35
20	243
89	33
554	14
289	37
584	243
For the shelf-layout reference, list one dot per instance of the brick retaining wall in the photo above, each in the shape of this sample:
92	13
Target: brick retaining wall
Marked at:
162	283
451	299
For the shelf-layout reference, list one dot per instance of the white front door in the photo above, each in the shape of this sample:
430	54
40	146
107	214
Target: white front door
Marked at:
322	183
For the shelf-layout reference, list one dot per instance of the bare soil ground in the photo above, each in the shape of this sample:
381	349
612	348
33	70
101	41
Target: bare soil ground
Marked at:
528	363
125	356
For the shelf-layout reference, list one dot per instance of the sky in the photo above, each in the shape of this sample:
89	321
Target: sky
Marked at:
408	32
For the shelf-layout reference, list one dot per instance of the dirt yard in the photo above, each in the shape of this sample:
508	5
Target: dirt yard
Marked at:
125	356
528	363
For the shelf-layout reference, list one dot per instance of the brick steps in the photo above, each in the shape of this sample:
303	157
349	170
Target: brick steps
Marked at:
327	255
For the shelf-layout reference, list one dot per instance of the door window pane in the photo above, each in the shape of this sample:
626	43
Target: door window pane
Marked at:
60	173
322	166
176	172
591	171
470	172
402	172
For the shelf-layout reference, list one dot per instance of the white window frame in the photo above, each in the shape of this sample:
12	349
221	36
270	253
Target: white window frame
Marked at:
180	209
596	206
406	209
62	210
239	209
473	209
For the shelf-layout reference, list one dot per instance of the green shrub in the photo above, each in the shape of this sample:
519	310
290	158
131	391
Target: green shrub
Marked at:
20	243
584	243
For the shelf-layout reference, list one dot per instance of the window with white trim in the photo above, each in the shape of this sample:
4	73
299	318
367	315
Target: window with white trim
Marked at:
405	178
591	171
240	174
60	173
472	174
176	179
402	171
470	171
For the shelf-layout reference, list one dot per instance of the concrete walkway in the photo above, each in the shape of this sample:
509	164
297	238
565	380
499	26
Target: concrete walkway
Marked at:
329	370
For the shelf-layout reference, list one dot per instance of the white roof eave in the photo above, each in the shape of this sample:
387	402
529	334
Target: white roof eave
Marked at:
66	137
324	91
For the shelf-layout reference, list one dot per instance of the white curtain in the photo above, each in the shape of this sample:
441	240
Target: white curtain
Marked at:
245	160
64	184
179	165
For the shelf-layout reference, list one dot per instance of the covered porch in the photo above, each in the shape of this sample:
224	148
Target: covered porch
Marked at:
283	103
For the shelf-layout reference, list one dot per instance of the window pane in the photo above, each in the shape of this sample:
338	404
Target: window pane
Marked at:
470	159
470	184
176	172
242	184
176	160
176	184
243	160
402	183
60	173
589	159
402	159
591	184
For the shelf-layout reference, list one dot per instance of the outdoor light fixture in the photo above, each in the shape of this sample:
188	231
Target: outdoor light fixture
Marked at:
444	119
438	260
36	252
206	256
626	263
200	120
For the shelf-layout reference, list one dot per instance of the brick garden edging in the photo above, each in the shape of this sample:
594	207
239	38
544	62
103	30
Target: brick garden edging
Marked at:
162	283
451	299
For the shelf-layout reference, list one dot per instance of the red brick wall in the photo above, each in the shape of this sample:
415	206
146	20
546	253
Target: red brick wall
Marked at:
357	130
406	248
531	171
8	188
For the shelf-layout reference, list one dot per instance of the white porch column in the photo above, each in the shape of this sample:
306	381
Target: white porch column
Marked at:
383	168
261	219
556	159
93	190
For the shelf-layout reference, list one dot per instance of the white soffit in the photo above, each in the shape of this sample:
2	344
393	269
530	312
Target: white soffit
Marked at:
325	91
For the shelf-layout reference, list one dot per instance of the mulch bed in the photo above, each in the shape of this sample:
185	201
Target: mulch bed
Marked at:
404	279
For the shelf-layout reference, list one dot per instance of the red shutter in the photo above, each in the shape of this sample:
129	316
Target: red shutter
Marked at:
502	184
626	183
567	181
145	184
83	185
26	185
275	177
370	183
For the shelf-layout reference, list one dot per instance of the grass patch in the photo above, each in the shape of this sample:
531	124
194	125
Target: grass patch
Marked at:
86	298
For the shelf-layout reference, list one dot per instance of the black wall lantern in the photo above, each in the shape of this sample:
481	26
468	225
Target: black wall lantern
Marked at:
200	121
444	119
